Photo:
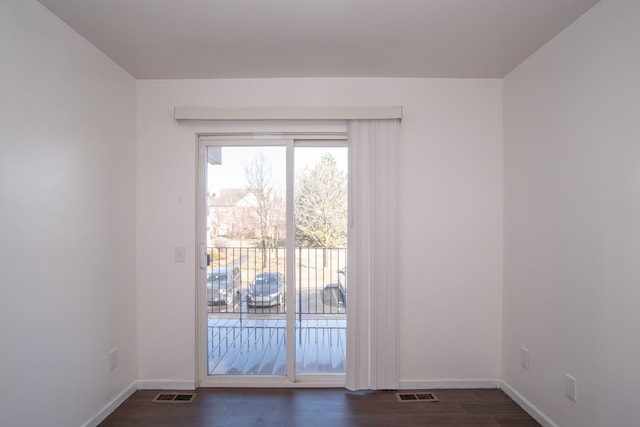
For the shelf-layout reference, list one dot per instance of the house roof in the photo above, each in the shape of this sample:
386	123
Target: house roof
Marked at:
227	197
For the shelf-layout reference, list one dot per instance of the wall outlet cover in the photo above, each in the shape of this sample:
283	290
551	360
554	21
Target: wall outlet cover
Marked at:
113	359
524	358
570	387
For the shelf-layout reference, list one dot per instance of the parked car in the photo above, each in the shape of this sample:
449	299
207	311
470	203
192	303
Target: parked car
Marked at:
335	294
223	285
267	290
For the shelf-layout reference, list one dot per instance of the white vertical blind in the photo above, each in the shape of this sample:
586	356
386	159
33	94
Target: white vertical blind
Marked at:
372	314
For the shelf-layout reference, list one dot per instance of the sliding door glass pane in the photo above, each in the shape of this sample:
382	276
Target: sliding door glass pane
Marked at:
320	197
246	275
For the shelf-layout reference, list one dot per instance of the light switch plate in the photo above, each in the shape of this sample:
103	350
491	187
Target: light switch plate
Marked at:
179	253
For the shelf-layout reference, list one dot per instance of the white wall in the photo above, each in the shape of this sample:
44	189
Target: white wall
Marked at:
67	228
572	220
450	217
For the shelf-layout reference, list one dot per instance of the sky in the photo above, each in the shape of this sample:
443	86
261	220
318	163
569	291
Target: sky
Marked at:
231	173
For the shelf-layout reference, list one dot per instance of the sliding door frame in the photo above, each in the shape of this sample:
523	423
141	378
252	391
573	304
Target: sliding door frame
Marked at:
290	141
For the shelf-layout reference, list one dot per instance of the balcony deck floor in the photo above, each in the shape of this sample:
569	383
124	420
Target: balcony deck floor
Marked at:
257	346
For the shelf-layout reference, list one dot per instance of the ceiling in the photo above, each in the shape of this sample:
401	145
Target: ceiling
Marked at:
172	39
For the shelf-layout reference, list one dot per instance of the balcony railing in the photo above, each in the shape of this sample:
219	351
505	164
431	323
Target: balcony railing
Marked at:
258	346
320	281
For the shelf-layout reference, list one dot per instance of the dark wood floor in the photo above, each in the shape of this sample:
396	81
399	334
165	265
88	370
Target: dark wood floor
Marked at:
320	407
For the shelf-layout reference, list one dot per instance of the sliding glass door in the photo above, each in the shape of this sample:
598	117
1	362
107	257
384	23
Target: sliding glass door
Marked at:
272	234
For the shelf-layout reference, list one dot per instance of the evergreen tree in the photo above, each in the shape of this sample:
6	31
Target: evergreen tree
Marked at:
321	205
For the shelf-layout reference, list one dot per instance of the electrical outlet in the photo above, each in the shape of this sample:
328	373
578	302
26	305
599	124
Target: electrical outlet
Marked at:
524	358
570	387
113	359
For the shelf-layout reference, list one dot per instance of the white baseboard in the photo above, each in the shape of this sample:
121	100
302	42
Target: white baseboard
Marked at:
439	384
529	408
112	405
166	385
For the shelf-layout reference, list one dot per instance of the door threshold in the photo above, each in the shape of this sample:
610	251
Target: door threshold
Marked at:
302	381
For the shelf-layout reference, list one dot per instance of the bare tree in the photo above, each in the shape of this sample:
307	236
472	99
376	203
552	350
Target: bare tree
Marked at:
265	201
243	224
279	220
321	205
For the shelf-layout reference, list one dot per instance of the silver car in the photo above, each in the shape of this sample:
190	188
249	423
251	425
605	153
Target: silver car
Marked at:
267	290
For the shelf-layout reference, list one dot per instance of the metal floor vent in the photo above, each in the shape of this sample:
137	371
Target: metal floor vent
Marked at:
175	397
417	397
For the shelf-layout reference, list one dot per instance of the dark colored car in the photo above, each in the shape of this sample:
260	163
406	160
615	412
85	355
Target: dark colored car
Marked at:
222	286
267	290
335	294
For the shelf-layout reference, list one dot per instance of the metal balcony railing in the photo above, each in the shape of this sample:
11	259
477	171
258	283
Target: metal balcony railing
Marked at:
258	346
237	284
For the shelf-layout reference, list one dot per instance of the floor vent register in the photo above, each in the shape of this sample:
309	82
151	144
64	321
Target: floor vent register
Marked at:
417	397
174	397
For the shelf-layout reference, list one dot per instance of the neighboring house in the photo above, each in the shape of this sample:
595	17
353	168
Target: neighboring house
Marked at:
231	215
